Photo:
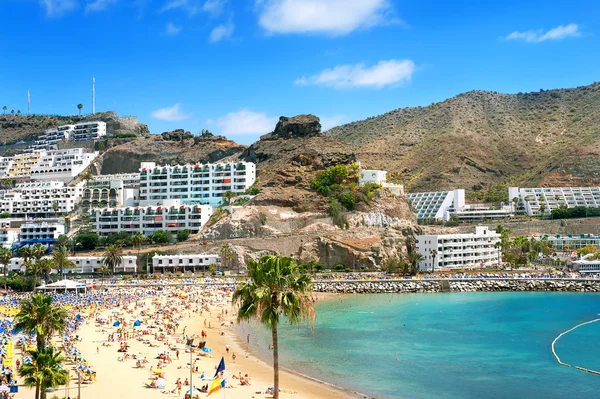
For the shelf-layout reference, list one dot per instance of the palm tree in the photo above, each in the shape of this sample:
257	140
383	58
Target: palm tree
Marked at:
4	109
226	255
413	259
32	269
45	267
276	287
26	253
38	251
79	107
87	177
38	315
5	257
12	111
18	112
228	196
113	256
137	240
60	256
433	255
45	371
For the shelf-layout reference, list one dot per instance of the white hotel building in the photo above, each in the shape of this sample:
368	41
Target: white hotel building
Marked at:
183	262
534	200
39	199
199	183
82	131
171	217
40	232
459	250
130	180
86	264
9	236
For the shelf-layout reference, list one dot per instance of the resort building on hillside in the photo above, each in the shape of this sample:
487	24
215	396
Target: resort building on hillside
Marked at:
586	265
471	250
481	212
543	200
87	131
82	131
110	195
86	264
379	177
9	236
130	180
199	183
63	165
436	205
183	262
172	216
39	232
40	199
572	242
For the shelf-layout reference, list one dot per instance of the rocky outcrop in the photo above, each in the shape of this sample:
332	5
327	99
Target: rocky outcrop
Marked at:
177	135
295	127
408	286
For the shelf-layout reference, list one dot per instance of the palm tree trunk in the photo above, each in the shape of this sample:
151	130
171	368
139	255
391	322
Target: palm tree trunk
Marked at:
37	391
275	363
42	394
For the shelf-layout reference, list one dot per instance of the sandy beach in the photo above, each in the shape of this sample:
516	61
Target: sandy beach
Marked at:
119	376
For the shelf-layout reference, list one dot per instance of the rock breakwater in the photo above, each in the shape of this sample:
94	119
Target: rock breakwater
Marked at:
471	285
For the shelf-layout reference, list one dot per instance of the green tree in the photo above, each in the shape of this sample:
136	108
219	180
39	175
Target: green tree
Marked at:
40	316
18	112
228	196
162	237
55	207
226	255
38	251
183	235
60	256
433	256
137	240
45	371
87	177
413	259
5	257
276	287
63	241
12	111
113	257
79	107
4	109
88	241
45	266
26	253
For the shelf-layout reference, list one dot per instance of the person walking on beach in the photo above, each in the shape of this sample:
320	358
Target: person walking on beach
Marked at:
248	339
177	354
227	348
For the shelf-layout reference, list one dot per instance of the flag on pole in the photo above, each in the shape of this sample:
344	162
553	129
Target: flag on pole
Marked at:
214	386
221	367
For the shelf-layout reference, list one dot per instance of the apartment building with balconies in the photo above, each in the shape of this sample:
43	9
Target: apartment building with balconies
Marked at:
543	200
130	180
172	216
110	195
40	232
62	165
436	205
42	199
184	262
86	131
199	183
450	251
9	236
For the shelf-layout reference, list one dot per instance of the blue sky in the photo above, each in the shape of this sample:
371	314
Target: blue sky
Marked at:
235	66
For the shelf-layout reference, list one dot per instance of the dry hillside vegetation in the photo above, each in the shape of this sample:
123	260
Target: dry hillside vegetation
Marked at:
480	139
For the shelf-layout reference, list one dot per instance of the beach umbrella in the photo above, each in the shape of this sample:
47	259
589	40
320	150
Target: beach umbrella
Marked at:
4	388
196	391
161	383
206	350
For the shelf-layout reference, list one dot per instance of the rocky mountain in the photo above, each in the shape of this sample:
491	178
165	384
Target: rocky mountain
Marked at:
484	140
178	146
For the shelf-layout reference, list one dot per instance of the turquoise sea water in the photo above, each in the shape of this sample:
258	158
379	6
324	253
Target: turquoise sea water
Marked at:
456	345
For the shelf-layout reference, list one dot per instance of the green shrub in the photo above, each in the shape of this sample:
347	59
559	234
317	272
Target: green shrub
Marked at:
183	235
87	241
4	215
162	237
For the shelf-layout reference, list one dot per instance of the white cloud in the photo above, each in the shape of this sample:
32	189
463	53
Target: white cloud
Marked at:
385	73
170	114
98	5
536	36
171	29
192	7
245	122
214	7
327	122
332	17
57	8
221	32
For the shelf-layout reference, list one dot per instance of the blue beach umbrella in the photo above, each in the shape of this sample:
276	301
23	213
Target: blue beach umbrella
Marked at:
206	350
